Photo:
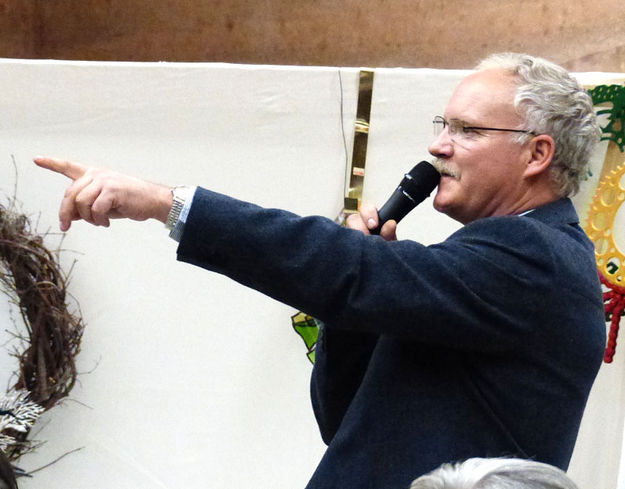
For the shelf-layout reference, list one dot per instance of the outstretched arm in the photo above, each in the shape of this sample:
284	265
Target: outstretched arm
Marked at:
97	195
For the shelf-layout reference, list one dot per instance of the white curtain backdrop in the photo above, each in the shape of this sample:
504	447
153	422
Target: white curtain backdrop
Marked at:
188	379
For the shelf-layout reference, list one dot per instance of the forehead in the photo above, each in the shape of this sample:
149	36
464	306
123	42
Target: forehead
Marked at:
484	96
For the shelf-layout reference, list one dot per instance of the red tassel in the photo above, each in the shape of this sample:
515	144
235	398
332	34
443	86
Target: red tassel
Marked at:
614	301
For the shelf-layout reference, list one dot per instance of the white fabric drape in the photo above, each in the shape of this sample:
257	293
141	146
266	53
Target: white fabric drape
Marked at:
190	380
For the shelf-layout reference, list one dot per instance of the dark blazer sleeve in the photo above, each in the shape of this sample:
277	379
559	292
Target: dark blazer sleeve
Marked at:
481	289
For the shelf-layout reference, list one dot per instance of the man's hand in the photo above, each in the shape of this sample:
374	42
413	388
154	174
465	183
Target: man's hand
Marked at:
97	195
367	219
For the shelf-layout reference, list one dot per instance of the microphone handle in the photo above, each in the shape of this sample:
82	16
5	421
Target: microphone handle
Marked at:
415	187
396	207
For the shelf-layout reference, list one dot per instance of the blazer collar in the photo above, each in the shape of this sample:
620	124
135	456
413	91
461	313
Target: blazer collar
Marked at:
557	212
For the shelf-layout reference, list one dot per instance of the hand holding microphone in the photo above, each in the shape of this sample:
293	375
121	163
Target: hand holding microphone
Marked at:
414	188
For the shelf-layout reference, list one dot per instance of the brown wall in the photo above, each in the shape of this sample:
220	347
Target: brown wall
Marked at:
582	35
17	38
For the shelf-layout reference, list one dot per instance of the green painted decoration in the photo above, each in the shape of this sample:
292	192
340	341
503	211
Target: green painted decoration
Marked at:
615	129
308	328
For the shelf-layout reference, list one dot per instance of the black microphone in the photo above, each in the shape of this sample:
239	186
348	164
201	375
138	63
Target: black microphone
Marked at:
415	187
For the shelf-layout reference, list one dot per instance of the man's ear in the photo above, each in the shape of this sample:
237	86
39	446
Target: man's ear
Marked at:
541	150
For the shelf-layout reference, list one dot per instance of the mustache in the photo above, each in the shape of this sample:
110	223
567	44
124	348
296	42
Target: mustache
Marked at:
444	169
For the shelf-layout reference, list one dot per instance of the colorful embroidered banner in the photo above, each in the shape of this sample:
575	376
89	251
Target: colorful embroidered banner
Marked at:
601	222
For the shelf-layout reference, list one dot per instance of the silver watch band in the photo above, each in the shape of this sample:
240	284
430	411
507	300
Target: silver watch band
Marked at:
181	196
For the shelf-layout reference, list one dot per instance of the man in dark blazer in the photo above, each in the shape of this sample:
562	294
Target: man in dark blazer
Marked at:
484	345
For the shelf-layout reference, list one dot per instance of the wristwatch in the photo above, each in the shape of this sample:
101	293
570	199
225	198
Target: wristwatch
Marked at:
180	196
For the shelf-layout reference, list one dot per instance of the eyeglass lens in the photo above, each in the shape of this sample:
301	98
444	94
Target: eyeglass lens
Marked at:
439	124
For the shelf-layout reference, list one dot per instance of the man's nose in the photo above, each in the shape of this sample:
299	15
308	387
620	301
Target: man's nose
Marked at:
442	146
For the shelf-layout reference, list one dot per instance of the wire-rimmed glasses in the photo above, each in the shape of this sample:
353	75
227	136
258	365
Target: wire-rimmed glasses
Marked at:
456	127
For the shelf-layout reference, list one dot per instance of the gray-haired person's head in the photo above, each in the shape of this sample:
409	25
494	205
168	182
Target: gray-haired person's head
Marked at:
495	473
552	102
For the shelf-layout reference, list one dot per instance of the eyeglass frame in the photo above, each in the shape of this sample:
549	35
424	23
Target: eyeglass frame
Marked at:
438	119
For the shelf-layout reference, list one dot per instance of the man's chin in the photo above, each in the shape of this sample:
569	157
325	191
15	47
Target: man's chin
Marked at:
441	203
441	208
447	208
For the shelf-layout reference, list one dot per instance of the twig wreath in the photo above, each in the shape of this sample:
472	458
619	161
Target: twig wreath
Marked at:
46	372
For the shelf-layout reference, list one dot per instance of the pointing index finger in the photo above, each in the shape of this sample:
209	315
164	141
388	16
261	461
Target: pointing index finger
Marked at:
68	168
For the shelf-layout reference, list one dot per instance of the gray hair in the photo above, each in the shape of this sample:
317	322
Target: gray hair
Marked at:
552	102
495	473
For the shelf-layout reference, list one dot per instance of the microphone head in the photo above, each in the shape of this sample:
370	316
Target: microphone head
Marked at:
419	182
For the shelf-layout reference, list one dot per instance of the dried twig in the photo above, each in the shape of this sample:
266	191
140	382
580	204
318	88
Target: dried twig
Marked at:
31	276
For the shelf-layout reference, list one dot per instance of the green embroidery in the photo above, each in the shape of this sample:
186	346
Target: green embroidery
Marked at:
615	129
612	267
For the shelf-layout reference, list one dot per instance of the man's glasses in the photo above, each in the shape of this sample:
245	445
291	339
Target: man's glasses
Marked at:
457	127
